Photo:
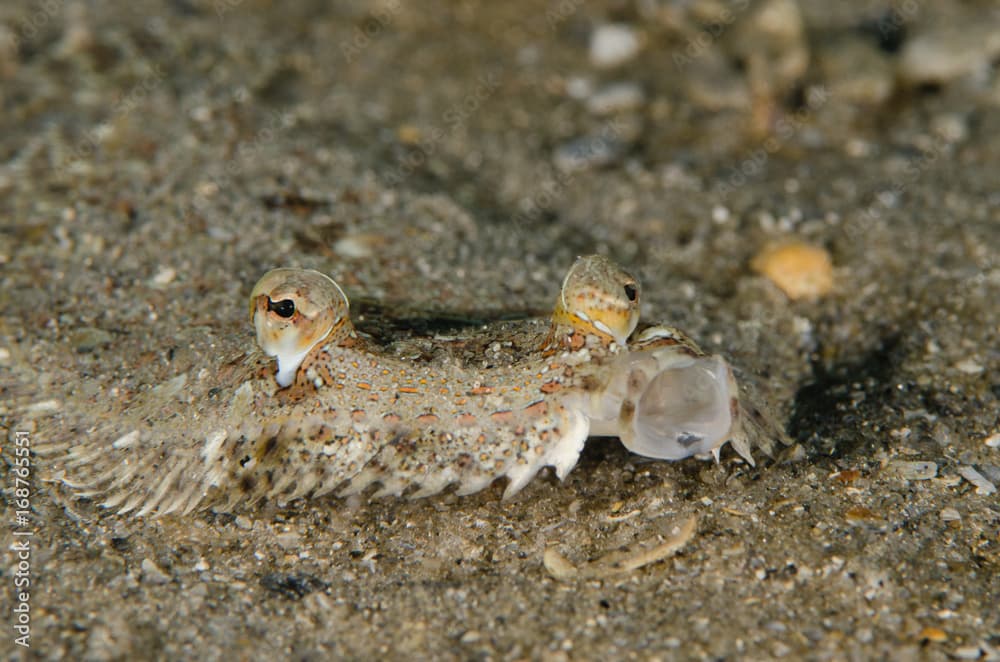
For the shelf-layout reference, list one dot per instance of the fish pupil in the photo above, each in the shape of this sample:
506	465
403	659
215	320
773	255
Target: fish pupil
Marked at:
631	292
284	308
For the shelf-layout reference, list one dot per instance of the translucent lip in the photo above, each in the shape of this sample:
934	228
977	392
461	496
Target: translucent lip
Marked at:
683	411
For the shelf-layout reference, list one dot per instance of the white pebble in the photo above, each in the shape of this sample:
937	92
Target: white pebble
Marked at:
355	247
613	44
591	151
983	485
967	653
615	98
969	367
578	87
951	126
946	52
42	407
993	441
164	276
950	515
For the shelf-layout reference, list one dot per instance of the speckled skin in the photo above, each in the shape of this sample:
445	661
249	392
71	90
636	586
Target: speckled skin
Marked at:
353	416
338	415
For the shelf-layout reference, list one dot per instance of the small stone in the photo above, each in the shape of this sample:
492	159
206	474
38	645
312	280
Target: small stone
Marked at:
967	653
164	276
558	565
42	408
991	471
152	574
953	127
948	51
950	515
616	98
993	441
613	44
799	270
936	635
578	87
471	637
794	454
358	246
88	338
983	485
592	151
409	134
969	367
861	514
912	470
288	541
243	522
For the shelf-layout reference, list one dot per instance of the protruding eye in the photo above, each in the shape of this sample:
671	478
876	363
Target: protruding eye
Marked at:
631	292
284	308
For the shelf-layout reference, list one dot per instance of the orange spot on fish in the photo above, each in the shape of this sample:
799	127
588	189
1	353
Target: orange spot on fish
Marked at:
539	408
481	390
